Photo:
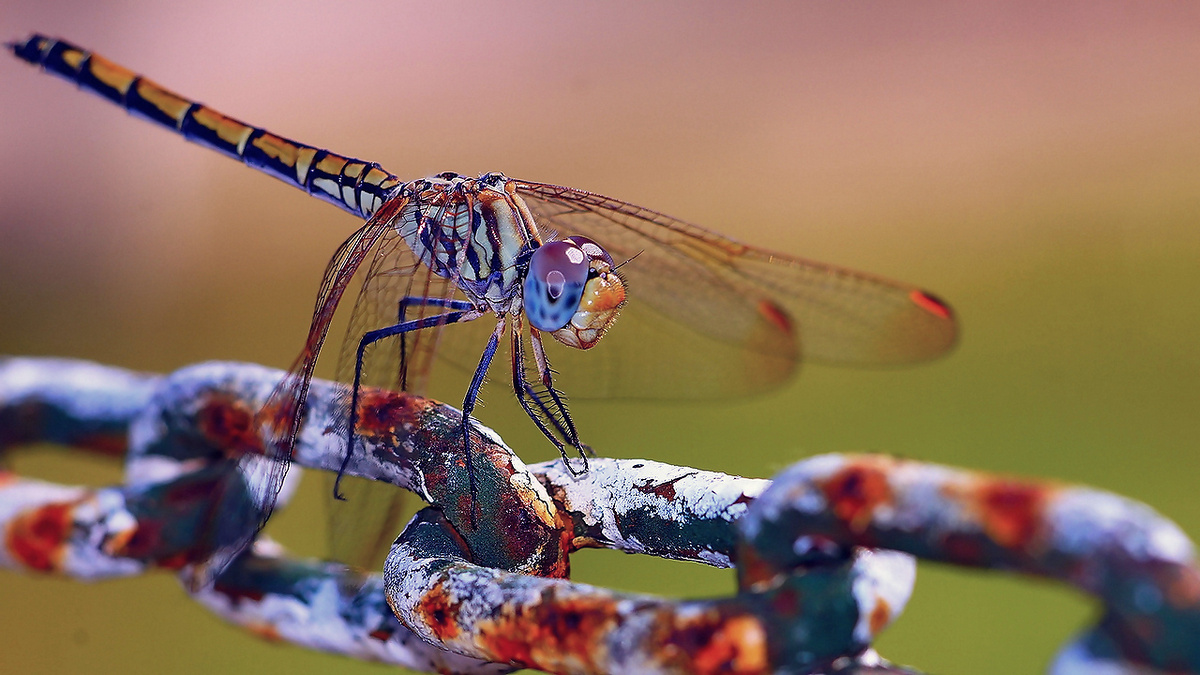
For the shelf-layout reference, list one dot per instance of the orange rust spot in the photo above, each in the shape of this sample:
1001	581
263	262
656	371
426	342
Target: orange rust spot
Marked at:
7	477
37	538
381	634
753	571
738	645
561	569
712	643
1011	512
276	416
265	631
880	616
855	492
118	542
440	613
383	413
775	314
228	423
559	630
930	303
1183	588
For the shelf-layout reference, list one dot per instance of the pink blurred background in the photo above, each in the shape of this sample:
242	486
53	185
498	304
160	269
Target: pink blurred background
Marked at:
1036	165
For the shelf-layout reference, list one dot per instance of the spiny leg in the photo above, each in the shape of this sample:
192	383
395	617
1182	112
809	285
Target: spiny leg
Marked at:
371	338
571	435
469	405
525	392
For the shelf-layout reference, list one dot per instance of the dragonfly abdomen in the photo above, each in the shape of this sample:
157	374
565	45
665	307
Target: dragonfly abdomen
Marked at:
354	185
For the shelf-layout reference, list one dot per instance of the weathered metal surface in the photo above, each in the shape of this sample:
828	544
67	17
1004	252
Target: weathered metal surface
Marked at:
822	552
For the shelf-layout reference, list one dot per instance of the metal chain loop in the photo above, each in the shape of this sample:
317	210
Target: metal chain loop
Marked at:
824	553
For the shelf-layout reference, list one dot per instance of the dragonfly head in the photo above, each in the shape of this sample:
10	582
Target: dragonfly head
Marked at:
572	291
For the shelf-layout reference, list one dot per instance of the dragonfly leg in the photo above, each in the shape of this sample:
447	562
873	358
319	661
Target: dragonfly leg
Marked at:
571	435
469	405
370	338
526	393
420	301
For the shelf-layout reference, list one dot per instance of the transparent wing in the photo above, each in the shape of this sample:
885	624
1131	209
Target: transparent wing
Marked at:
362	526
710	317
282	415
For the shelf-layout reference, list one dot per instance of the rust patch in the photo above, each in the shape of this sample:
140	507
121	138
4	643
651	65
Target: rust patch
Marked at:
228	423
440	613
1183	588
37	538
1011	512
534	545
786	602
744	499
238	594
880	616
385	416
119	541
716	643
106	445
754	573
265	631
382	634
138	543
553	634
963	549
664	490
7	477
276	416
854	493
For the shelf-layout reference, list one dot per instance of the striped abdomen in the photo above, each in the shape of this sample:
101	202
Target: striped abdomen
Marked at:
357	186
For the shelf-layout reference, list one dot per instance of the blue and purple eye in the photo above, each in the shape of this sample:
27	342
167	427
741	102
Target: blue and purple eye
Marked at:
591	249
554	285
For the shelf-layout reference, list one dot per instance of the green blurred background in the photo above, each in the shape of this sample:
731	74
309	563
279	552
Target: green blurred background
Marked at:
1038	166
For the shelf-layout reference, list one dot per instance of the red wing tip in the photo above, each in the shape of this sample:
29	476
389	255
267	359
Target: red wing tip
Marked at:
931	303
776	315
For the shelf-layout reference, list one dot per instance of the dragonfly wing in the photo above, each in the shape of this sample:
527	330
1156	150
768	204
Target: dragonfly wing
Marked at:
710	317
362	526
281	417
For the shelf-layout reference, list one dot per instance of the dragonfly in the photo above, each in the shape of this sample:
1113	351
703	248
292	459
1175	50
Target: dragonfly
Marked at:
456	265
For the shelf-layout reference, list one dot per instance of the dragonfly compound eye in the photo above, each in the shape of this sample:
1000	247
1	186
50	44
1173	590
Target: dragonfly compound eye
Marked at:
554	285
602	298
593	250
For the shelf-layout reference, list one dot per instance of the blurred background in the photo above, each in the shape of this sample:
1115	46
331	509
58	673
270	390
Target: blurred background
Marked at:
1037	166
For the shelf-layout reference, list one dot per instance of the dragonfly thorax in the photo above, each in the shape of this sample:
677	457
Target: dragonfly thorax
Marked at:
480	234
476	232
